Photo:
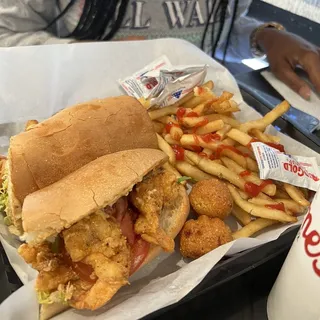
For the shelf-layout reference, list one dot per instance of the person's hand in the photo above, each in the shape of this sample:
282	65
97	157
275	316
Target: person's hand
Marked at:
285	51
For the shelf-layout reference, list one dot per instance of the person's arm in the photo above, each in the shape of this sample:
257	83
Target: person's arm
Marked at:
239	44
22	22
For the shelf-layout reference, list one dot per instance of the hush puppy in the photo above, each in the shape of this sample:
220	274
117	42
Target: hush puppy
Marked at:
211	198
200	236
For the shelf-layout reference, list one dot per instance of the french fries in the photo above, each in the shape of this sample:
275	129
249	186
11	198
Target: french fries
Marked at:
281	194
245	151
158	126
269	189
215	144
292	206
215	169
296	195
239	136
166	148
225	106
159	113
223	132
199	109
169	139
269	203
238	158
227	120
252	165
195	98
253	227
260	135
242	216
191	171
244	195
228	142
222	104
210	127
259	211
167	119
196	140
176	133
191	122
270	117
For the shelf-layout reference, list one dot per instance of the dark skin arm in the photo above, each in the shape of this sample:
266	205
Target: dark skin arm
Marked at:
285	51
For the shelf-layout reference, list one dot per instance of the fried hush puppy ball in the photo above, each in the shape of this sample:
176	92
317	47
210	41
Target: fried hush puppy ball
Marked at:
200	236
211	198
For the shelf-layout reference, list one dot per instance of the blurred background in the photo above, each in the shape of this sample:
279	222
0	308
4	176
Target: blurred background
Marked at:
301	17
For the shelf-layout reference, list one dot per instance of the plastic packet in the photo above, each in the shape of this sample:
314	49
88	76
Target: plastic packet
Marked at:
144	81
296	170
162	84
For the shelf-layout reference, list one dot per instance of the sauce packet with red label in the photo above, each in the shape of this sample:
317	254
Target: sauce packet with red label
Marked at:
162	83
144	81
296	170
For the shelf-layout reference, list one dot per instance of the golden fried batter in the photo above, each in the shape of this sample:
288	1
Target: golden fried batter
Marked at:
40	257
50	280
200	236
111	277
150	197
212	198
95	242
95	234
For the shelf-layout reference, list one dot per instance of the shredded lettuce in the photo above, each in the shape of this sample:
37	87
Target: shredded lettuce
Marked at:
185	178
44	297
62	295
54	297
63	298
4	195
7	221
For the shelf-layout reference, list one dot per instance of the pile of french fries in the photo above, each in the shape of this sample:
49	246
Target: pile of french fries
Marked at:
202	139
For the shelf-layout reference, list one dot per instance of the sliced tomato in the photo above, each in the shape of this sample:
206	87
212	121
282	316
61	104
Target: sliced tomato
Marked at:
139	251
121	208
83	270
127	228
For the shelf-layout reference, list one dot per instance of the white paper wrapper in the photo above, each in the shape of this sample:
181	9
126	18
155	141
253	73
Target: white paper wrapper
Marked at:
308	106
38	81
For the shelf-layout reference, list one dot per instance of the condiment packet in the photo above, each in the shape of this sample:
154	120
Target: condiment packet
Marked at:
176	83
144	81
162	84
296	170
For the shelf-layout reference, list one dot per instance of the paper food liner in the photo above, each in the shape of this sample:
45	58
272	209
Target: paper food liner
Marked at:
38	81
310	106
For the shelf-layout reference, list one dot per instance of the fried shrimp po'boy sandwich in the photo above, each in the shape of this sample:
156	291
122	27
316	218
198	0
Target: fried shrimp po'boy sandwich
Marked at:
66	142
88	232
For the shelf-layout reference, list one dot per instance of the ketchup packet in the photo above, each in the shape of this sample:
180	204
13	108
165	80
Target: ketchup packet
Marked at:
144	81
296	170
162	83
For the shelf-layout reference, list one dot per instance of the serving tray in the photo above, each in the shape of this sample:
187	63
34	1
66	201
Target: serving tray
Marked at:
227	270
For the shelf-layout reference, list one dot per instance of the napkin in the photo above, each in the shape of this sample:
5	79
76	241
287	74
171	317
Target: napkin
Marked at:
311	106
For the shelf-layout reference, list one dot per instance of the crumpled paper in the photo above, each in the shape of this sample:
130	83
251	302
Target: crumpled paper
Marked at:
36	82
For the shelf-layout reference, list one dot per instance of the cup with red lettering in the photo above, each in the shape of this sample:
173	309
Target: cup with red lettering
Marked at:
296	292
